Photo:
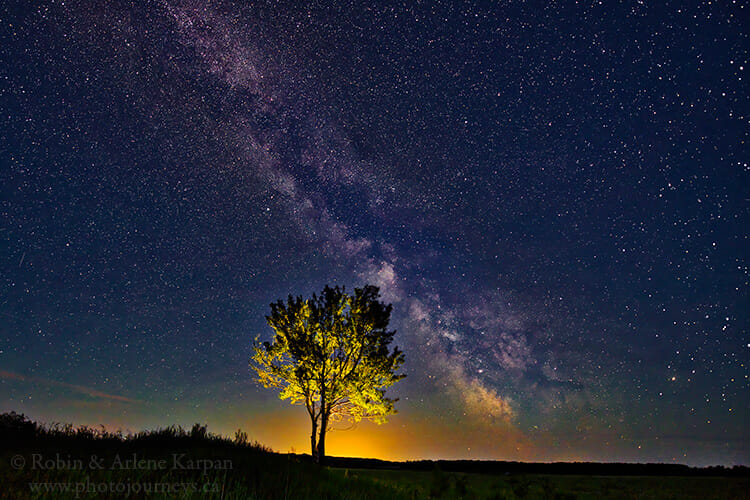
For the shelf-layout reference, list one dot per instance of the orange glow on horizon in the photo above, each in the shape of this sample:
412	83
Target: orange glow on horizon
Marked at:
402	438
409	435
290	432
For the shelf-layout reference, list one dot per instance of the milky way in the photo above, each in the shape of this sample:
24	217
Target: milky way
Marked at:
554	199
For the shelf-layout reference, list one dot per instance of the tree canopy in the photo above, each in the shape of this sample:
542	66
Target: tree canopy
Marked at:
331	353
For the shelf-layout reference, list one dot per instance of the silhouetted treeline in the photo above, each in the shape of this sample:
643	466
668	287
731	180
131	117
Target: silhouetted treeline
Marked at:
16	431
568	468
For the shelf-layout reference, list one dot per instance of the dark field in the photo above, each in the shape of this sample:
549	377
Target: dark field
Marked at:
436	484
66	462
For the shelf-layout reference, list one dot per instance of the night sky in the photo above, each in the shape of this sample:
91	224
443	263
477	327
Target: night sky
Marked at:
552	195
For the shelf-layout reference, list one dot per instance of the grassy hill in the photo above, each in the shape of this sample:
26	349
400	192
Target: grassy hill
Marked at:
61	461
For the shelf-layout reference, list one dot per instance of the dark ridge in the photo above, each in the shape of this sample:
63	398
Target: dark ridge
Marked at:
562	468
17	431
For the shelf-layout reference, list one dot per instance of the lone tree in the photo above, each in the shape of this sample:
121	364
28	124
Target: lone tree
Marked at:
331	353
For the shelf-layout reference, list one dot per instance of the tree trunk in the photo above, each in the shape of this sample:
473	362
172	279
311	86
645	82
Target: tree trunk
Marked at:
322	439
313	447
323	424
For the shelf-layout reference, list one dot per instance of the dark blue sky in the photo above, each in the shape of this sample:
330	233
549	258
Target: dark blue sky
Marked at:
553	196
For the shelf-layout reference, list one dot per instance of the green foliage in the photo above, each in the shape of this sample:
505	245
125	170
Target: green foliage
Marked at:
331	353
